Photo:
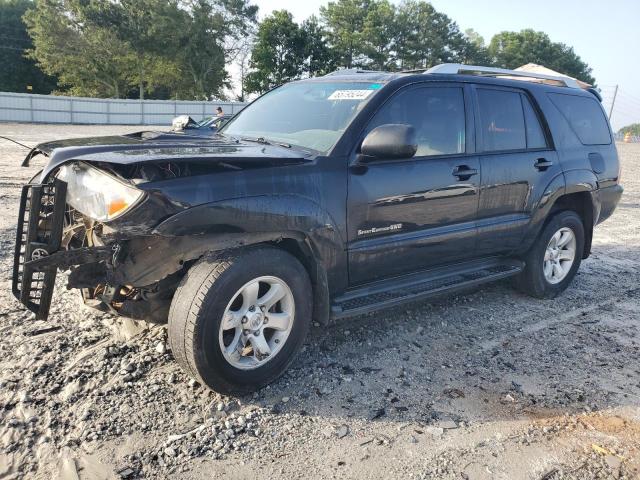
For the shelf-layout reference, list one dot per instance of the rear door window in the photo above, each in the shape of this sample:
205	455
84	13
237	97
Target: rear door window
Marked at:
501	120
585	116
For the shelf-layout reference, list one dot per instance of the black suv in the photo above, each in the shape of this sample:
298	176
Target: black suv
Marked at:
325	198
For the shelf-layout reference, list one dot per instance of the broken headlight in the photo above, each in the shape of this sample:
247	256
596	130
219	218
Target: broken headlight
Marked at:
97	194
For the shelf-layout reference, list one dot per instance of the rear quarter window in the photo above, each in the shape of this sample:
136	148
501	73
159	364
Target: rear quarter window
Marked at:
585	116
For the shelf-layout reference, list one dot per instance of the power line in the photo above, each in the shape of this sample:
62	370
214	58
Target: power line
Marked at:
12	140
630	96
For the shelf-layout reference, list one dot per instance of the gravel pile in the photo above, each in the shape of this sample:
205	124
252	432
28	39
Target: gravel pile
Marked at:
491	384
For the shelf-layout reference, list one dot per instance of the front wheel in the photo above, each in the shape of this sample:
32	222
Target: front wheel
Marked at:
555	258
238	319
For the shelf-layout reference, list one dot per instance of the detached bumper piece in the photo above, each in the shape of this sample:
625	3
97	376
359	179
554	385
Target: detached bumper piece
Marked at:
39	233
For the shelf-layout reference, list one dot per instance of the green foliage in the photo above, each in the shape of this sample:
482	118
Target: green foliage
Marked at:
320	59
427	37
142	25
180	48
345	21
279	53
378	34
87	61
513	49
633	129
17	70
158	48
285	51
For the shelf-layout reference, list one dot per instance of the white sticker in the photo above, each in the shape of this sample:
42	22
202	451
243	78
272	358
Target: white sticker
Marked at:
350	94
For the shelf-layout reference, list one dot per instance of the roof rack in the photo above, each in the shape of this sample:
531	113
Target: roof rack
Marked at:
351	71
458	68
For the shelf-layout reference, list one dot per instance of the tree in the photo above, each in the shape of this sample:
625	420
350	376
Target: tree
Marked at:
88	61
242	60
514	49
320	59
200	53
146	26
426	37
474	38
633	129
345	21
239	19
279	53
378	33
18	70
149	48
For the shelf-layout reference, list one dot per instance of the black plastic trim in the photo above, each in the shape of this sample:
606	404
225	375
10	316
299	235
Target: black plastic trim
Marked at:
422	285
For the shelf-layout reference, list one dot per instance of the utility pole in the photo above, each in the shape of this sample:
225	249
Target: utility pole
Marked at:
613	102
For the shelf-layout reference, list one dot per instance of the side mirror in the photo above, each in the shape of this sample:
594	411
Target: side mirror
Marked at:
392	141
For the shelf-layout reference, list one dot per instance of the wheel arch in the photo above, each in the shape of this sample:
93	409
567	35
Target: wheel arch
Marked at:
580	202
574	190
302	250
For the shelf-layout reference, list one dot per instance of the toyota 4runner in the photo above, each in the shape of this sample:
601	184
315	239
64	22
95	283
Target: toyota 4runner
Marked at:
324	198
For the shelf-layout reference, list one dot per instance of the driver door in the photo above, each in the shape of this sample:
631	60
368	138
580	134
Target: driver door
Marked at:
413	214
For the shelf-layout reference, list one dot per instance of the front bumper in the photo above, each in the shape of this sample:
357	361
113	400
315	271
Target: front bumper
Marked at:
131	275
38	235
146	264
38	254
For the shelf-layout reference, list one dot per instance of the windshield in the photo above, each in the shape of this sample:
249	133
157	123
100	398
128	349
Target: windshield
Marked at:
311	115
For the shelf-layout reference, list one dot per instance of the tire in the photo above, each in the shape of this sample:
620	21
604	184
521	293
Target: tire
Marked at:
533	281
209	291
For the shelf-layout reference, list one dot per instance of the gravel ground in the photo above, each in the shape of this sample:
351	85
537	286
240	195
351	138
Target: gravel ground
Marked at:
491	384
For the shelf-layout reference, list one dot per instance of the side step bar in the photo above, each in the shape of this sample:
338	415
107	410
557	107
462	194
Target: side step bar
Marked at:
419	286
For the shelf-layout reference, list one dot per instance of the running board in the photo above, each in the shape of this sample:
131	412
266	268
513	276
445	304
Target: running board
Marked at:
418	286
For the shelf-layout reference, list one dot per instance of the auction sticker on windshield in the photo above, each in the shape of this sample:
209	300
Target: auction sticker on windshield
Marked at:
350	94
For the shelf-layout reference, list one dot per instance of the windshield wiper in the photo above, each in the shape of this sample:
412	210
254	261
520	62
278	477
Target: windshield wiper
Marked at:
264	141
261	140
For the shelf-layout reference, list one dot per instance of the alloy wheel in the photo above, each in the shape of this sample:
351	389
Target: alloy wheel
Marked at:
559	255
257	322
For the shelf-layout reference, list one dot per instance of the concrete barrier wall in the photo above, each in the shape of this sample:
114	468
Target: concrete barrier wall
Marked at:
25	107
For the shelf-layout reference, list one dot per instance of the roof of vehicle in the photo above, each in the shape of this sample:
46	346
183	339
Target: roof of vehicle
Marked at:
488	75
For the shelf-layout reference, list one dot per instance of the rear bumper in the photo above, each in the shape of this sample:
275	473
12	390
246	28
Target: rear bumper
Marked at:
608	199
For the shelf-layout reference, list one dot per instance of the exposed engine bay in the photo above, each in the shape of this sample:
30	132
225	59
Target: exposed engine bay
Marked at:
96	280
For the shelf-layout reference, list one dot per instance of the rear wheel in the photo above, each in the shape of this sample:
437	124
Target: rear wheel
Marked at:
555	258
237	319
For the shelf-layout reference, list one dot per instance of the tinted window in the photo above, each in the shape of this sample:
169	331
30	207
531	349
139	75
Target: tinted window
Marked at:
437	114
585	116
501	120
535	135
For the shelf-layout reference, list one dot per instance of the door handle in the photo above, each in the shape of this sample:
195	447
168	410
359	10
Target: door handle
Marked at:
463	172
542	164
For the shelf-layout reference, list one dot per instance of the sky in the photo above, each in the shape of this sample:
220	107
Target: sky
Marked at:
606	35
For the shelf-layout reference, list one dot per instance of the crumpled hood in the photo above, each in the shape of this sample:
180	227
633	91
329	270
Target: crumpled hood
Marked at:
162	146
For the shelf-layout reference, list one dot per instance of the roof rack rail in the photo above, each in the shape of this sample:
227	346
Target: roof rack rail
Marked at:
459	68
351	71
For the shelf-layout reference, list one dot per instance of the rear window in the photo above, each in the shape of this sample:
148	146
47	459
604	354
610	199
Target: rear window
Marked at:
585	116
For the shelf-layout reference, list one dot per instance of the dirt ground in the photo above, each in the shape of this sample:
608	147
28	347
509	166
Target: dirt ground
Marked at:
487	385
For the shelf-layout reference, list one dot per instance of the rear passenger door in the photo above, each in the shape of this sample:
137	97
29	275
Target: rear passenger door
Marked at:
517	163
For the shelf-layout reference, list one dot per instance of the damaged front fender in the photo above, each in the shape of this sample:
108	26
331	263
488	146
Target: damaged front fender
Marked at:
150	259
